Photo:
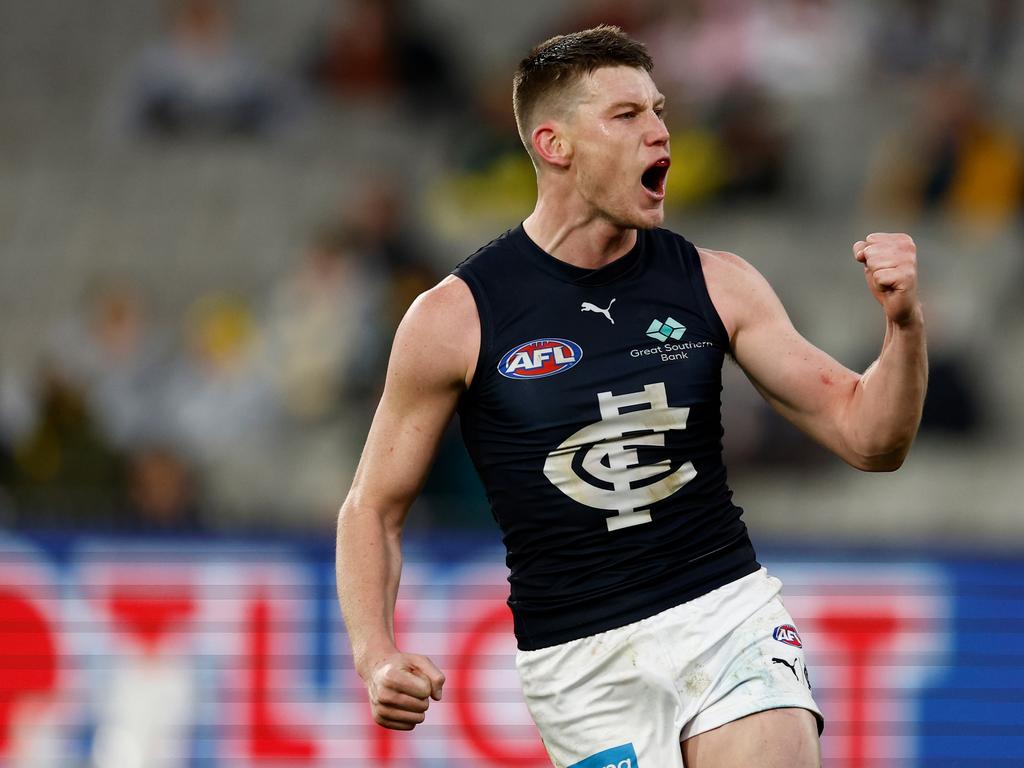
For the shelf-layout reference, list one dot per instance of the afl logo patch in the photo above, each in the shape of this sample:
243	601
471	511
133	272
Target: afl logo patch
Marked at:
787	634
539	358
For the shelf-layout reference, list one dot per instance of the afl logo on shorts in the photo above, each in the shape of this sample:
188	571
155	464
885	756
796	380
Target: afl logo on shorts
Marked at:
787	634
539	358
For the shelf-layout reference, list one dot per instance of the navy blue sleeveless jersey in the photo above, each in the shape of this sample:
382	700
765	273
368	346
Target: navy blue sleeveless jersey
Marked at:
594	420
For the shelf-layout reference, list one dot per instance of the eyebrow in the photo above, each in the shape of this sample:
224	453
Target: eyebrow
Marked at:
636	105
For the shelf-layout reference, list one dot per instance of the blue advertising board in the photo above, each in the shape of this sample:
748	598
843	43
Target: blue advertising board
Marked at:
219	652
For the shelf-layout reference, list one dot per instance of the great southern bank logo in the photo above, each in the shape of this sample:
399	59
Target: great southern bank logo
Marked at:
616	757
669	329
539	358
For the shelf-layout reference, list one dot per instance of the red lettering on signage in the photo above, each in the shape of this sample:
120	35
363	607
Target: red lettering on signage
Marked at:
859	634
28	658
149	614
465	690
269	738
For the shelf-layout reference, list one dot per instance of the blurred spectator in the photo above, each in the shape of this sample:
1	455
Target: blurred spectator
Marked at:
706	49
494	137
804	48
375	50
226	419
958	158
7	475
953	405
64	468
914	37
218	395
322	329
117	358
17	406
160	493
1000	33
490	180
629	16
392	246
781	444
702	48
754	145
6	467
198	81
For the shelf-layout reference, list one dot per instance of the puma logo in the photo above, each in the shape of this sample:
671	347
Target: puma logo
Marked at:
588	307
792	667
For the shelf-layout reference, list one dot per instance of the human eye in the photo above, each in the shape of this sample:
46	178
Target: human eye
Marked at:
628	115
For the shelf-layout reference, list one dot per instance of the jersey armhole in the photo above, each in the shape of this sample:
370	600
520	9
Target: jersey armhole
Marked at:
483	310
700	290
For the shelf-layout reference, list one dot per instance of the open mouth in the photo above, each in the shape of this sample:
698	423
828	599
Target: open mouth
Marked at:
653	178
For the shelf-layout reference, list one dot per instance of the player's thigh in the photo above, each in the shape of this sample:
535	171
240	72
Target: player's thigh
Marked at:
608	699
775	738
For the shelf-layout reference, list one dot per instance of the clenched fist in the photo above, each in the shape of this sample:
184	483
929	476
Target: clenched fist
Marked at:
400	687
890	268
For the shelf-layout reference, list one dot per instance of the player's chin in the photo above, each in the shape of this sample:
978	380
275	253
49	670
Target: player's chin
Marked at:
650	216
650	212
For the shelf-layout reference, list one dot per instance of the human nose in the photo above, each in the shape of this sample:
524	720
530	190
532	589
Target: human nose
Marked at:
657	132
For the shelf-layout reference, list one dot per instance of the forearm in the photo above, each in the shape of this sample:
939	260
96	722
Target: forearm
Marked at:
885	409
369	565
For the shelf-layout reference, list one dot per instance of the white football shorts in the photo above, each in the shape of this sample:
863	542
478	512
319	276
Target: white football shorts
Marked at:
627	697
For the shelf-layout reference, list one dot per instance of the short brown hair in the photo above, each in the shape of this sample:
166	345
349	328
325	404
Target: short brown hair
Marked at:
556	65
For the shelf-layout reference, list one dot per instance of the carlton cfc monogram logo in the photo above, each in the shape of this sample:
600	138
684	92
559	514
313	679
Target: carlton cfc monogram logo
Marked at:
607	452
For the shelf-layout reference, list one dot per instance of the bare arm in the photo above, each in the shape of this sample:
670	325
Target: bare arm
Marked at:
869	419
432	361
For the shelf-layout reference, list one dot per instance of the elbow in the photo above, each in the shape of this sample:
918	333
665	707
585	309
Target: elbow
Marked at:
357	516
882	461
881	464
880	450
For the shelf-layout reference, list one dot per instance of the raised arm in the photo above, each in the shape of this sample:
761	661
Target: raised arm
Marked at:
868	419
432	361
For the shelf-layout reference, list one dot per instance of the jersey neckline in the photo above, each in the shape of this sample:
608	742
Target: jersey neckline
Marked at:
570	273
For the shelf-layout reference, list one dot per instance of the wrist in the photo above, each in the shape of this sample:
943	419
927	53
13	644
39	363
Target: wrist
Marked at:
369	657
912	321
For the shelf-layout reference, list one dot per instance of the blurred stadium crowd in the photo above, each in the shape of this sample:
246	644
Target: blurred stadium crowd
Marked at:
214	213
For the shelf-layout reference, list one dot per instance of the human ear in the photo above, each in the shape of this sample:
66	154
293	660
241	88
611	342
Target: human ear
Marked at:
551	144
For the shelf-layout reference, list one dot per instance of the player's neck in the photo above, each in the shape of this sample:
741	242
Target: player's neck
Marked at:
579	238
